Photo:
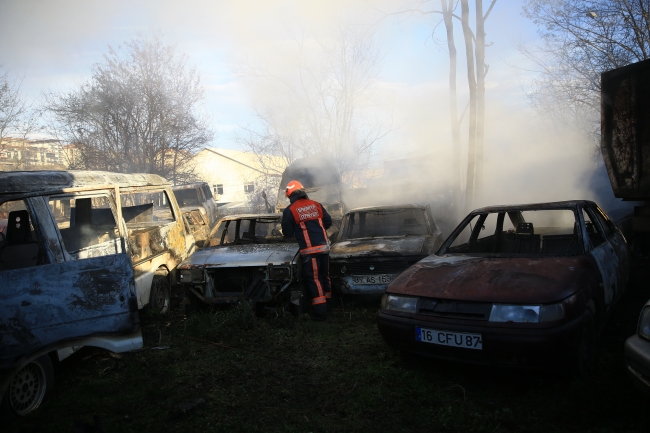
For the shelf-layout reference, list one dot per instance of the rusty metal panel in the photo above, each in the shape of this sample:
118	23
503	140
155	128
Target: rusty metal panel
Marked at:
500	280
625	129
44	305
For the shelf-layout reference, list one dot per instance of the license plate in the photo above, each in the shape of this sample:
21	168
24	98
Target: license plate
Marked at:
372	279
446	338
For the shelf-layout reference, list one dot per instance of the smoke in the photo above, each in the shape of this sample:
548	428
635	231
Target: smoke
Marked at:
527	158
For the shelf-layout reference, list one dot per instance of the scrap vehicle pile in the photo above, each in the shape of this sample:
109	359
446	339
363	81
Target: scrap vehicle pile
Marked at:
521	285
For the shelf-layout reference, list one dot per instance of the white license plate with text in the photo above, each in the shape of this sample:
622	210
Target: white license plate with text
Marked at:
372	279
446	338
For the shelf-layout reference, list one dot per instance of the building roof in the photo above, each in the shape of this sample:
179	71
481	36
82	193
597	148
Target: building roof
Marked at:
264	164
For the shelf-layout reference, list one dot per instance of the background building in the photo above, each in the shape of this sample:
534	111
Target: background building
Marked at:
22	154
237	178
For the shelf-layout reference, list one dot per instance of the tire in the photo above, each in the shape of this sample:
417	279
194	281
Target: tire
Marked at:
584	357
160	298
29	387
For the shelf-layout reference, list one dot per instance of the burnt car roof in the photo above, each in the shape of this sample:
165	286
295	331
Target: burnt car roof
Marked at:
568	204
251	215
15	182
388	207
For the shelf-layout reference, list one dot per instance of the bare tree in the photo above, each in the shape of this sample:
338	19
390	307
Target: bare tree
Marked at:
325	97
582	39
476	71
139	112
17	119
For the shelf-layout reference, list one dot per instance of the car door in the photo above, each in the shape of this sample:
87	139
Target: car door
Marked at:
44	305
603	253
47	302
617	241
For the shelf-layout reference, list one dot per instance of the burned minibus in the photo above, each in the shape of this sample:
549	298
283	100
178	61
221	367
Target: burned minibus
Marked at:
101	213
66	279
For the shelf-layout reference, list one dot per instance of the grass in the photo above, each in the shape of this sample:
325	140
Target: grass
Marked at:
286	374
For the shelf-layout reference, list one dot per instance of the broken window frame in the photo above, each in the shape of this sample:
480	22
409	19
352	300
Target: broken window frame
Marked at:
45	256
119	240
516	217
149	190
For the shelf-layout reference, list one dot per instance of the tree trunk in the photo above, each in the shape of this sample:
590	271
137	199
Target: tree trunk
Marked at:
471	81
480	99
453	105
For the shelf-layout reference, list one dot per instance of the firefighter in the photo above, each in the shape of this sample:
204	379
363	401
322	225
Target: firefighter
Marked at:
308	221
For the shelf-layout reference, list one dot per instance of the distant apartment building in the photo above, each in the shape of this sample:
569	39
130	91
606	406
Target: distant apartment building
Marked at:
21	154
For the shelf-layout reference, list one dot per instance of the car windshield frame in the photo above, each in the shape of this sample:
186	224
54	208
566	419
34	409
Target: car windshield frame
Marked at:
225	226
348	223
510	212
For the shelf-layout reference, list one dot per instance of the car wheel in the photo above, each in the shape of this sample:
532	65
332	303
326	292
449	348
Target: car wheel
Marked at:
159	298
585	352
29	386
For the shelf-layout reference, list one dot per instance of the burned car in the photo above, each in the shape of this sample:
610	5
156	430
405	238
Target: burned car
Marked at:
377	243
637	352
60	291
525	285
198	208
247	258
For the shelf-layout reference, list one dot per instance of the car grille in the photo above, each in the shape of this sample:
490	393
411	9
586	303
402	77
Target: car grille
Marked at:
364	268
454	309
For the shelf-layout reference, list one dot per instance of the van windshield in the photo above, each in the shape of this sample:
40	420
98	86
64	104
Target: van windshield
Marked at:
187	197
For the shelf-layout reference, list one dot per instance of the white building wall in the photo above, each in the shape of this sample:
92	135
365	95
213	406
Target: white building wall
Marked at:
216	169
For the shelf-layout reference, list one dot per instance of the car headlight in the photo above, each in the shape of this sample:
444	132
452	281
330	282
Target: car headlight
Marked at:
526	313
514	313
644	323
191	276
399	303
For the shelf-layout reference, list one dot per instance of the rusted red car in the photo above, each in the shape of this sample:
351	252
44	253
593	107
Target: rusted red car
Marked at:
523	285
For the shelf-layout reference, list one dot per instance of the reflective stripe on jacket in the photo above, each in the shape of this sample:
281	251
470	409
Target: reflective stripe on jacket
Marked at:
308	221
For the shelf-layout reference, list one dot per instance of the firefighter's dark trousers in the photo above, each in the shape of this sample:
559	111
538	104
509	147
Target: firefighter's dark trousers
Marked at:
316	273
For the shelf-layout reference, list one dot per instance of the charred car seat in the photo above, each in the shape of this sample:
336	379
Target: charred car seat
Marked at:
19	250
527	240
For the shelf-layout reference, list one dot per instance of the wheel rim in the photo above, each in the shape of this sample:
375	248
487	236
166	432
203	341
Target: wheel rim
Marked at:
161	298
27	389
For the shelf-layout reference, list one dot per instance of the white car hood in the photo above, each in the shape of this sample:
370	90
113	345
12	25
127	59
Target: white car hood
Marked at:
241	256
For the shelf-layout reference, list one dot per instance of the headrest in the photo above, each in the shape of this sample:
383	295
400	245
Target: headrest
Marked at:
18	229
525	228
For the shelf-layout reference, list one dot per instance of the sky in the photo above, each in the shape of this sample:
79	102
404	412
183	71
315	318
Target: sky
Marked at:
53	45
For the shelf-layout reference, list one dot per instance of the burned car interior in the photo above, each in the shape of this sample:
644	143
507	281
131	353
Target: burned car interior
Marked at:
248	258
534	232
387	222
242	231
19	247
84	222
